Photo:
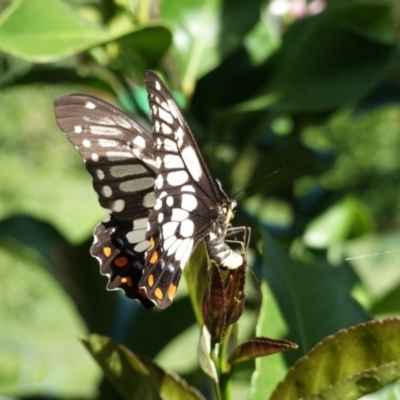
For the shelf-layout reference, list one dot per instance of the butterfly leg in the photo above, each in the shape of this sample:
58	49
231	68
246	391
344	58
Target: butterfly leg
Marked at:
246	236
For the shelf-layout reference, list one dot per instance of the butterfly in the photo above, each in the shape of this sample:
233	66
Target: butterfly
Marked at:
157	188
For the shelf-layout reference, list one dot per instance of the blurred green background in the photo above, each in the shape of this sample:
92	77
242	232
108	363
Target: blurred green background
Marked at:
313	85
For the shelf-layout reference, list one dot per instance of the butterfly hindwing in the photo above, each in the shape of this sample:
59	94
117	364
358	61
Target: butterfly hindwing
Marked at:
118	153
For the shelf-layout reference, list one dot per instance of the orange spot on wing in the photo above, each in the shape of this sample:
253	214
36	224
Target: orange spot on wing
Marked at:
171	291
153	258
152	242
158	293
121	261
150	280
107	251
126	280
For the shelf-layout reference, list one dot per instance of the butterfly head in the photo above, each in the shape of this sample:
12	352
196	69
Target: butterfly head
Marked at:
229	210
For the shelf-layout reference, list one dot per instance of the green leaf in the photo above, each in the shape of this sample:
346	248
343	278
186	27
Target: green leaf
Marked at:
314	298
389	304
347	365
205	32
72	266
136	377
196	273
269	370
344	220
56	31
324	63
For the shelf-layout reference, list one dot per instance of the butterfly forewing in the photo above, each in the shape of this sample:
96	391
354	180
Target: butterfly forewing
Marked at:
185	196
118	153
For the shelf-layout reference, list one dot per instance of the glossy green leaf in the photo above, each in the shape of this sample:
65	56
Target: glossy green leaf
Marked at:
47	30
136	377
314	297
347	365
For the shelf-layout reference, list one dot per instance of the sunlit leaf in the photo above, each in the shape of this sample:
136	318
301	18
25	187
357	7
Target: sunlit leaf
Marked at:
57	32
136	377
347	365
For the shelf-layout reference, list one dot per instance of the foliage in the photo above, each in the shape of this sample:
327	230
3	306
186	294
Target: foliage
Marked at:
316	93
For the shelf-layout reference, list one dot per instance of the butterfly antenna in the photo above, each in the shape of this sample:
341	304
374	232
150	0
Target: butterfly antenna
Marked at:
279	169
220	188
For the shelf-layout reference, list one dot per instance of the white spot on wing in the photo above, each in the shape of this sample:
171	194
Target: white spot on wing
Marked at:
136	236
108	143
166	129
78	129
177	178
100	174
118	205
170	201
188	188
95	157
169	229
106	190
140	223
119	171
168	242
172	161
160	217
149	200
179	137
164	115
170	145
142	246
118	155
122	122
104	130
89	105
192	162
158	204
184	251
189	202
86	143
159	182
158	86
179	215
135	185
187	228
174	247
139	142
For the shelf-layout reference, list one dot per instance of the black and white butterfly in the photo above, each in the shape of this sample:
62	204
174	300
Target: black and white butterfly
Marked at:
160	194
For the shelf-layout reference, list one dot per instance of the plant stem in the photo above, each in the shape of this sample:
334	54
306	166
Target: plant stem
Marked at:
223	367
